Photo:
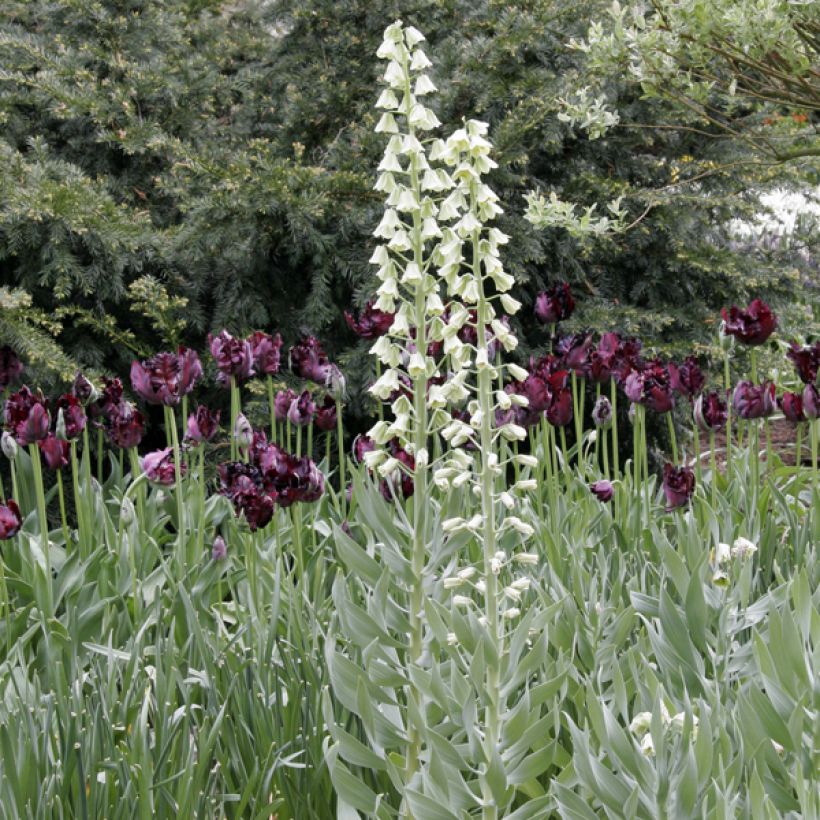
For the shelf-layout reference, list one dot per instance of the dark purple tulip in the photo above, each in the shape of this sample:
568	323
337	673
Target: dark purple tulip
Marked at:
302	409
233	357
106	404
602	412
83	390
600	367
686	379
574	351
751	326
11	368
26	416
74	418
371	323
267	353
806	360
166	377
54	451
242	484
650	386
753	401
288	478
125	425
361	445
219	550
308	360
282	402
602	490
159	467
559	412
811	401
792	406
678	486
202	425
710	411
326	414
627	356
10	519
554	304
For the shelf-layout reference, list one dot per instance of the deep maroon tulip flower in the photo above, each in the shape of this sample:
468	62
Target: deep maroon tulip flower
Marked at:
600	367
650	386
308	360
105	405
288	478
559	412
125	425
678	486
326	414
54	452
602	412
402	482
361	445
686	379
282	402
371	323
302	410
710	411
753	401
159	468
267	353
554	304
751	326
10	520
811	401
574	351
806	360
74	418
83	390
11	368
792	406
242	484
166	377
602	490
233	357
219	549
26	416
202	425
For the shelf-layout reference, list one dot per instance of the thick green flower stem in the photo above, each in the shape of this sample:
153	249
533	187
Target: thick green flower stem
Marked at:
420	473
672	437
100	451
63	519
4	599
200	478
579	423
235	405
713	463
815	436
645	456
727	385
613	400
272	408
492	718
798	446
309	452
298	548
696	445
34	452
340	443
78	504
136	473
136	484
298	440
183	559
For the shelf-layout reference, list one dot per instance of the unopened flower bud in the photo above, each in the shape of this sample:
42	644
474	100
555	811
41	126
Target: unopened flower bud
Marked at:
59	426
243	432
219	550
9	446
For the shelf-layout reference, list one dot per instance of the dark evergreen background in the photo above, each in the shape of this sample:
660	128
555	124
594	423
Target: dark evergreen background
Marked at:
226	149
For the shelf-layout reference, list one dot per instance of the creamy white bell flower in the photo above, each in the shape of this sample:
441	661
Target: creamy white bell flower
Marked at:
742	548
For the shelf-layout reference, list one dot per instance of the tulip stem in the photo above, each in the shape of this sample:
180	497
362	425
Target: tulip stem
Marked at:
182	558
672	437
727	382
272	408
133	458
696	445
340	441
576	415
100	456
713	463
616	458
63	520
798	446
815	434
200	534
298	440
34	452
310	440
